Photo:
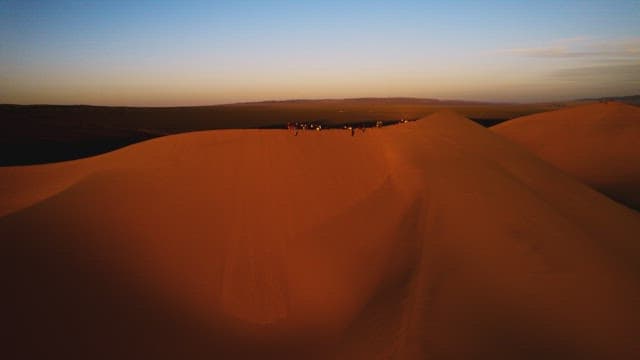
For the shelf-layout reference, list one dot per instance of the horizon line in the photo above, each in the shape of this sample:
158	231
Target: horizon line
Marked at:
329	99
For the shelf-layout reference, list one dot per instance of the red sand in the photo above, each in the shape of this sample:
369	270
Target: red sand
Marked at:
434	239
598	143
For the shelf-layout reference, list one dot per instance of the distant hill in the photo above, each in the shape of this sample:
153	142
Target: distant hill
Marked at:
631	99
31	134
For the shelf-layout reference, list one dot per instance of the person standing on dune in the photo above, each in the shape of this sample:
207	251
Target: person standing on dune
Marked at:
293	128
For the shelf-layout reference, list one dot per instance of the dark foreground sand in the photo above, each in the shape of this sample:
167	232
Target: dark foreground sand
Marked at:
436	239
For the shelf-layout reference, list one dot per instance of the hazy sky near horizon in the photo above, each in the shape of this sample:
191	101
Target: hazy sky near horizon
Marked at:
209	52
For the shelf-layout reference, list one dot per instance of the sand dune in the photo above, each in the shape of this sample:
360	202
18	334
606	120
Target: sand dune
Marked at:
47	133
433	239
597	143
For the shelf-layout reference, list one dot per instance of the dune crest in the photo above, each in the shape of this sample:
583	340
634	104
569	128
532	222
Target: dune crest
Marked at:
432	239
597	143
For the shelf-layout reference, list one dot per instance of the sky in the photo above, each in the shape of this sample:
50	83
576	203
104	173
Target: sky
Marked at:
174	53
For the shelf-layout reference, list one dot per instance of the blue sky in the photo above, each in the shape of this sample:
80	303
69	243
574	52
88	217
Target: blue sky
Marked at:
209	52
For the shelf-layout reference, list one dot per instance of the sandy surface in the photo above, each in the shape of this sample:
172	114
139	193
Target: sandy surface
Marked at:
38	134
597	143
434	239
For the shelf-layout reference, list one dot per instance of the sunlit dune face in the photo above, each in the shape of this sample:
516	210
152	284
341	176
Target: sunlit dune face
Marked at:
434	238
226	233
596	143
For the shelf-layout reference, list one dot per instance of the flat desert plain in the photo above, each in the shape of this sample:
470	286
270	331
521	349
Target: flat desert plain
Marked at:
434	239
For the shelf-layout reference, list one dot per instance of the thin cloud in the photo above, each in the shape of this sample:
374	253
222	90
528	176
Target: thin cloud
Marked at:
581	47
555	52
624	75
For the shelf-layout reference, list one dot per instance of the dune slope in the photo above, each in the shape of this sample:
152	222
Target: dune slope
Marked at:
597	143
433	239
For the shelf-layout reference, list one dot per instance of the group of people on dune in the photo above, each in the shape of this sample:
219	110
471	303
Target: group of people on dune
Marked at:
352	129
294	127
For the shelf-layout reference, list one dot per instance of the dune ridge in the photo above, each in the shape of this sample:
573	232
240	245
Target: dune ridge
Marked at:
433	239
597	143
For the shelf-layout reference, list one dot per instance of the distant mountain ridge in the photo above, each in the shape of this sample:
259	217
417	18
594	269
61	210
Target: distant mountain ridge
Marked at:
631	99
